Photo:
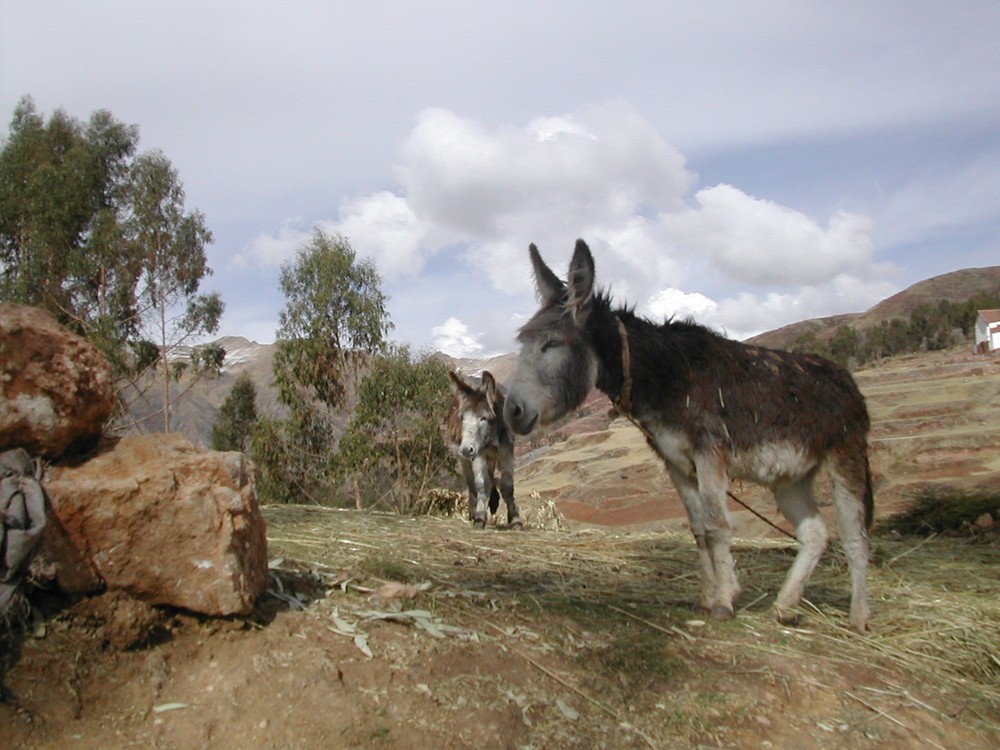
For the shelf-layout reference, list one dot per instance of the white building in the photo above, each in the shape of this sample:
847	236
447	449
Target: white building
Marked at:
987	331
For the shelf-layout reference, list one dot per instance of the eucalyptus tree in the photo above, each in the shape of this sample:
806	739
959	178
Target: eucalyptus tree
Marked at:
62	246
168	251
237	417
99	236
394	448
333	322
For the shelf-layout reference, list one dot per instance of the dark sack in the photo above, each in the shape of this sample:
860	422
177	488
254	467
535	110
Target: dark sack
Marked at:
23	509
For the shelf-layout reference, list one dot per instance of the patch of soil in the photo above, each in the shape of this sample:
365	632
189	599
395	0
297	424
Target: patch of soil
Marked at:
625	512
504	675
521	647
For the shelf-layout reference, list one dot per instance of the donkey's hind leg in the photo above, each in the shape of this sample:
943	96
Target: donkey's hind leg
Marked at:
849	498
798	505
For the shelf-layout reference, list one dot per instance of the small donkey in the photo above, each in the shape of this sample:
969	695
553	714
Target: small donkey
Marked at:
714	410
480	436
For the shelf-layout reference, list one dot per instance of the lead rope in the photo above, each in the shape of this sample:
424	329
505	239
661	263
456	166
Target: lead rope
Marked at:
623	405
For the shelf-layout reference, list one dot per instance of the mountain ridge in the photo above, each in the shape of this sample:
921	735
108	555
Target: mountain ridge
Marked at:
194	415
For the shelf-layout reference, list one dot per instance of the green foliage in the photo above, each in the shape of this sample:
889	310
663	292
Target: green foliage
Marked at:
928	328
169	257
237	417
333	322
99	236
943	509
844	345
61	191
280	476
394	448
334	308
208	358
808	343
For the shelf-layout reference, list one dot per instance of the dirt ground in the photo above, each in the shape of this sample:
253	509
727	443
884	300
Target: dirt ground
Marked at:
388	632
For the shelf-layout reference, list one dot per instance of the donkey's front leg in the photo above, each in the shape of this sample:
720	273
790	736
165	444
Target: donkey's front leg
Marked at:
687	488
470	483
506	466
483	480
713	484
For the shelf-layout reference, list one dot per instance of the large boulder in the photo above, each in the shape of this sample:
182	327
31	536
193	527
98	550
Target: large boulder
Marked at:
161	520
56	390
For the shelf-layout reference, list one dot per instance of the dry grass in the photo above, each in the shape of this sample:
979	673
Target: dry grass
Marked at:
936	602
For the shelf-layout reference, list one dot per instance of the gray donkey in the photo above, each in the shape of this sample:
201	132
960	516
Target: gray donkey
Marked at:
714	410
485	445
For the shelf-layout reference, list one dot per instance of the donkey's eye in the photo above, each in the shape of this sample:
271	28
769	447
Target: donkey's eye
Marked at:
551	344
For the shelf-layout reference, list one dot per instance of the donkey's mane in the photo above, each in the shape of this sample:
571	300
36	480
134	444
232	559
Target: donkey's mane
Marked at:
626	313
675	344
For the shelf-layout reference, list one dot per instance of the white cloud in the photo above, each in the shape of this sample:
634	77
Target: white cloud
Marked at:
748	314
592	172
384	228
380	227
760	242
673	303
454	339
271	249
602	174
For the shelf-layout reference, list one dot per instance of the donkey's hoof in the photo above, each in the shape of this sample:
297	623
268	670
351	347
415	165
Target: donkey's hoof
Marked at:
479	523
517	523
791	619
722	612
861	628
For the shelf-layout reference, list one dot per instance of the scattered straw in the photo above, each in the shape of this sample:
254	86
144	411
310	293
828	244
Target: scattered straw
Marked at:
935	601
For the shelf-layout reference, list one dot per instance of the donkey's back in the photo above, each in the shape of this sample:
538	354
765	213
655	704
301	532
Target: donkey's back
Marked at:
777	415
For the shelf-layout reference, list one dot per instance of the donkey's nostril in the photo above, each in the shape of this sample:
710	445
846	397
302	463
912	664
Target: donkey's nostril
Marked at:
468	451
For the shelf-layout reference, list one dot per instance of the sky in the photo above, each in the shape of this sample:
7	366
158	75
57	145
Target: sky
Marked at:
748	164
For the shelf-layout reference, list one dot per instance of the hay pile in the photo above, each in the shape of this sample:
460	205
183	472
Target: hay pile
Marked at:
936	601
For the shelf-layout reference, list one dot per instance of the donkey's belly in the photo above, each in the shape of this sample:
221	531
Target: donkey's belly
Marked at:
770	463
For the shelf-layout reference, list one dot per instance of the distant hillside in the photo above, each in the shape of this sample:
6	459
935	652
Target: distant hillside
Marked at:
195	414
502	367
956	286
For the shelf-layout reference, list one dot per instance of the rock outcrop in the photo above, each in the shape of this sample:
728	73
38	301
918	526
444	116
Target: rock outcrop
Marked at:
56	389
162	520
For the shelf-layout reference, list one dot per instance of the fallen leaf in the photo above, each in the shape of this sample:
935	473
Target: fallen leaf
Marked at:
361	641
567	710
395	590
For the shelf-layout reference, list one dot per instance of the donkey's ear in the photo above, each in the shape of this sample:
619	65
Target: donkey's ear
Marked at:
458	383
489	386
581	282
547	284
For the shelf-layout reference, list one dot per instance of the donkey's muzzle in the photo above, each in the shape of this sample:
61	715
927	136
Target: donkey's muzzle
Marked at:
521	418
